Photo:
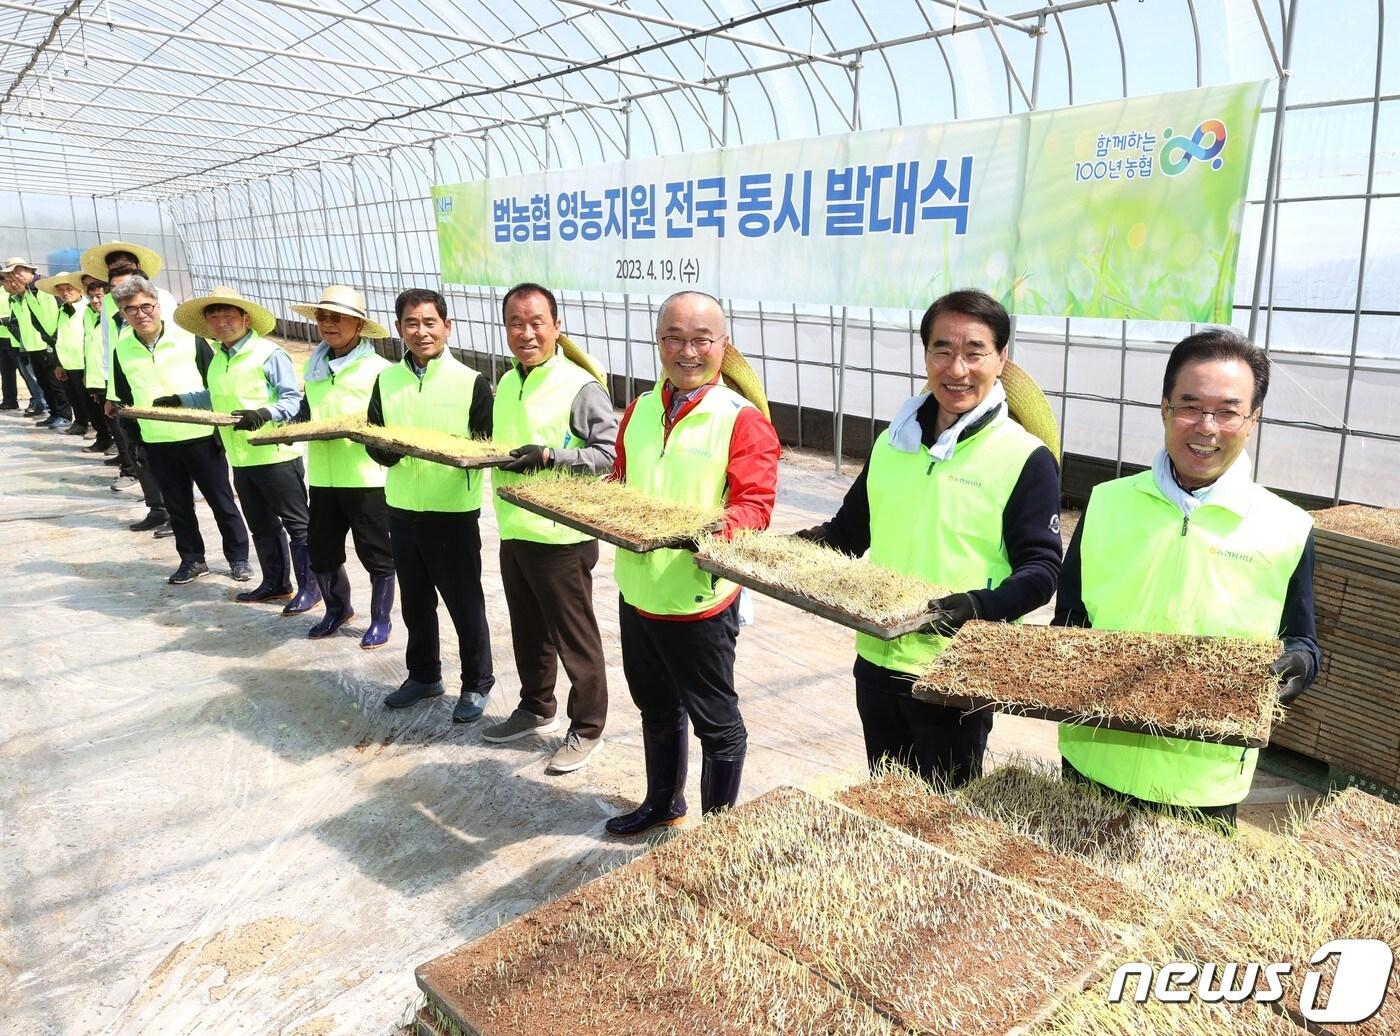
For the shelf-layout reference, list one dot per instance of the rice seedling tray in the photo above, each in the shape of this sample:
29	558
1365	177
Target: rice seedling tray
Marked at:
612	512
824	582
454	451
179	415
307	431
1194	688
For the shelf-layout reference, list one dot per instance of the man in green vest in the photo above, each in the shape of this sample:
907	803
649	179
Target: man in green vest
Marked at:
70	346
347	485
553	409
24	331
95	365
692	439
1192	546
9	345
434	509
253	379
153	357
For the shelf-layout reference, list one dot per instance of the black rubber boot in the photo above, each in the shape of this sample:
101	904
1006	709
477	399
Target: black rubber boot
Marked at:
666	757
381	604
308	589
335	588
719	781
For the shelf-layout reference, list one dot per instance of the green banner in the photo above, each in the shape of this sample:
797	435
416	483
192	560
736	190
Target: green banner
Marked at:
1126	209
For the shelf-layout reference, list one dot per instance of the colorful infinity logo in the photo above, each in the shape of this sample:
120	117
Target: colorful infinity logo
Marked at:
1187	148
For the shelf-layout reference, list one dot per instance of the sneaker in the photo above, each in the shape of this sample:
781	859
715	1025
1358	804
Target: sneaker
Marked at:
9	406
520	724
574	752
76	429
113	452
189	571
122	482
58	424
240	571
153	520
469	707
33	411
47	421
95	447
161	532
411	692
113	459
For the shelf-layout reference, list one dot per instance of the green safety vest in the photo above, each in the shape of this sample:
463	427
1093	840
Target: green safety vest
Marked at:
535	410
1223	572
238	382
439	401
94	350
111	332
39	310
343	463
72	330
5	337
168	369
942	521
688	467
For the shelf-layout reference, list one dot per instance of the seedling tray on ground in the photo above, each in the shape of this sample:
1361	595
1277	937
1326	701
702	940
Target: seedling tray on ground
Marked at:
519	495
307	431
454	451
179	415
1160	684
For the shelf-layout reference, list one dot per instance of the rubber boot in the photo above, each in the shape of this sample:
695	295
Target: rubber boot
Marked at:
665	751
719	781
274	562
308	592
335	588
381	603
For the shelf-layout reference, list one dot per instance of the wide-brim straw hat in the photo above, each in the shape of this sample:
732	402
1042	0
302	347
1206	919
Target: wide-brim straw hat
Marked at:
50	284
579	358
190	314
94	260
16	261
743	379
1028	406
338	298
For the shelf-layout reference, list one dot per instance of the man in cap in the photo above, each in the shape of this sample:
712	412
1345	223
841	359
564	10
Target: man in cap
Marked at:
9	345
347	485
33	325
95	365
71	343
553	408
435	510
253	379
153	357
1192	546
696	440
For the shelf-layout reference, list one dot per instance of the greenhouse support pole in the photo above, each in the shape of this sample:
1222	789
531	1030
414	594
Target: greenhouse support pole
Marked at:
628	387
840	428
359	227
304	281
1271	181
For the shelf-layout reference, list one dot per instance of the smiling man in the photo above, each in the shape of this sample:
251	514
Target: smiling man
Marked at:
1193	546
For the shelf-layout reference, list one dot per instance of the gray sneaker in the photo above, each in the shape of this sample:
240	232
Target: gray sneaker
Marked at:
519	724
574	752
123	482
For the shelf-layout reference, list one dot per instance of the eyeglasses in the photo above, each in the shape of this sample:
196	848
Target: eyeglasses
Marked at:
675	343
944	357
1226	420
143	310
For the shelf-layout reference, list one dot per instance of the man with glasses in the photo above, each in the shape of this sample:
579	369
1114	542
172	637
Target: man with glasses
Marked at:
1193	546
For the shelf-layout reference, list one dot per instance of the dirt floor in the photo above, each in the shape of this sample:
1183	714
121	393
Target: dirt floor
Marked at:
211	824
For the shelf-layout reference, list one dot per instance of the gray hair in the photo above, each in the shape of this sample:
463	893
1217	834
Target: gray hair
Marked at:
133	286
692	293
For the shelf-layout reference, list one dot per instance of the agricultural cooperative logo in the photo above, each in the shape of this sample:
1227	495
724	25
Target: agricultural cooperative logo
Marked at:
1358	987
1179	152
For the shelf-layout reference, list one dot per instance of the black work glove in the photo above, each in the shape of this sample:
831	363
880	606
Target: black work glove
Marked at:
166	401
1291	670
251	420
950	613
816	534
527	459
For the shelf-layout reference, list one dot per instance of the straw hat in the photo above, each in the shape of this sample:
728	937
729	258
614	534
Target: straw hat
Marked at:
1028	406
579	358
94	260
190	314
50	284
743	379
15	261
337	298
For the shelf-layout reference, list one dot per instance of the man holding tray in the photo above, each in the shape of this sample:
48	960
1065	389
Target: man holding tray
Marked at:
253	379
434	509
552	406
701	437
1193	546
153	357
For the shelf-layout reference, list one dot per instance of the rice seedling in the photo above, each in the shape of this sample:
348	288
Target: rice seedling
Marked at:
457	451
936	944
1200	688
342	426
613	511
1353	826
823	581
627	953
1381	524
179	415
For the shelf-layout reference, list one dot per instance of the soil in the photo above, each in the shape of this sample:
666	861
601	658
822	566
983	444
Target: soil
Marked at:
1381	524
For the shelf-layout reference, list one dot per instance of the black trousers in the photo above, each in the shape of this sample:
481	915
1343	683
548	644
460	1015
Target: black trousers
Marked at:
9	376
76	388
97	415
549	593
676	670
55	391
179	467
1226	817
360	512
273	499
136	463
440	554
942	745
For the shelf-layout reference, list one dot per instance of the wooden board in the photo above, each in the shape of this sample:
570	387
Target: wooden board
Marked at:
837	615
636	546
379	442
178	415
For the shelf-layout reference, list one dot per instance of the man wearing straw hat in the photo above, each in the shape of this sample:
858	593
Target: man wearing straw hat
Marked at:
347	485
553	408
435	510
95	365
34	326
153	357
71	343
253	379
963	491
1192	546
700	437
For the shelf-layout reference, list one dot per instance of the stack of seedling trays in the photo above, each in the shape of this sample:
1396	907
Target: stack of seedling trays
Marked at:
455	451
179	415
1350	719
1215	689
825	582
614	512
316	430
